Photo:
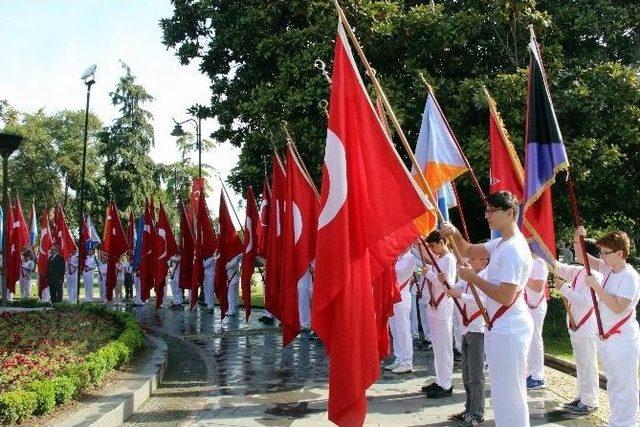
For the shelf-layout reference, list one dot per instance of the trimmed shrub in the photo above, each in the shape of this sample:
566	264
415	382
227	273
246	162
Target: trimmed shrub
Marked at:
65	388
16	405
45	395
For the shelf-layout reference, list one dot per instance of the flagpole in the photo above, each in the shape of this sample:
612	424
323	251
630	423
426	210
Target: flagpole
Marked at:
585	256
405	143
474	178
231	204
299	158
454	187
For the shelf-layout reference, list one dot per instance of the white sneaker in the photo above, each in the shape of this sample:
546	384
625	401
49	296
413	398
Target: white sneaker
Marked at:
403	368
391	367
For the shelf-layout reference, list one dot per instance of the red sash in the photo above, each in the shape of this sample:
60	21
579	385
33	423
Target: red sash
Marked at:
404	285
617	328
501	311
466	321
587	315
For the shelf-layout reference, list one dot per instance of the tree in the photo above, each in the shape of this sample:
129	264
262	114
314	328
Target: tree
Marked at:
129	174
259	56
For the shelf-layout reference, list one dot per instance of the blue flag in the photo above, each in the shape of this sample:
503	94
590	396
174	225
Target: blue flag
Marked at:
137	250
33	226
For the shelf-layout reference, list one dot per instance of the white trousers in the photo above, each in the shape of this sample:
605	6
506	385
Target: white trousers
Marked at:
72	287
117	292
424	319
207	288
457	329
442	341
46	295
401	330
232	295
620	363
506	357
87	279
535	358
25	288
136	283
414	316
586	355
305	290
175	291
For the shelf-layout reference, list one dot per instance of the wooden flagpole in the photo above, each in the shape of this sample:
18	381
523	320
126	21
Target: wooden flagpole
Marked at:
454	187
299	158
405	143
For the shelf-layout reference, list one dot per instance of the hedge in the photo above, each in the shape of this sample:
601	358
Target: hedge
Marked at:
41	396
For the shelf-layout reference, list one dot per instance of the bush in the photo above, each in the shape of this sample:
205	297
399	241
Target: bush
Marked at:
45	395
41	396
16	405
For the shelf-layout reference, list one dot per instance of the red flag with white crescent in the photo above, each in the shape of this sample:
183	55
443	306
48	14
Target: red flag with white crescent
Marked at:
251	226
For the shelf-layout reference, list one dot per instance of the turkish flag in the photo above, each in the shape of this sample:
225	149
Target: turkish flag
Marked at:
148	260
114	244
385	295
43	252
273	265
18	239
263	226
205	246
186	250
64	239
370	214
298	241
197	191
165	248
230	247
251	227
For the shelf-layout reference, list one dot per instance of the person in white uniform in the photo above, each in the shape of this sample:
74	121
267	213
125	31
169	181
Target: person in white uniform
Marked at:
27	267
87	276
440	314
509	332
413	288
121	269
535	295
138	286
570	281
619	347
422	294
102	278
174	281
209	265
305	291
400	322
71	277
472	346
233	279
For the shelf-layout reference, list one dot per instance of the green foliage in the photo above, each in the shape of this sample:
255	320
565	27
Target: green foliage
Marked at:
40	396
259	56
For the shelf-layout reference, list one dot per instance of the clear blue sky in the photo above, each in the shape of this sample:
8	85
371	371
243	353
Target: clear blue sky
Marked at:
45	45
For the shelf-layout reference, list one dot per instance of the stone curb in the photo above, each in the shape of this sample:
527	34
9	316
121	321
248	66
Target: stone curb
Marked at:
113	409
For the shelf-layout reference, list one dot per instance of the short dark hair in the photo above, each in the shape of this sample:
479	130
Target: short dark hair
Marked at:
435	236
503	200
592	247
616	241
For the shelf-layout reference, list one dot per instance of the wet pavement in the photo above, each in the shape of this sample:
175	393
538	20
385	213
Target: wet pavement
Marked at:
234	373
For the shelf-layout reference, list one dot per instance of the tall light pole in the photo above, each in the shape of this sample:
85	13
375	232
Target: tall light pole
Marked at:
8	144
199	112
89	79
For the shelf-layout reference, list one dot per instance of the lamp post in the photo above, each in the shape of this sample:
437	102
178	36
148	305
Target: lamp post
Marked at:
89	79
8	144
199	112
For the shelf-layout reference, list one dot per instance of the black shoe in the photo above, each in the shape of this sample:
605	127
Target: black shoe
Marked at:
438	392
426	388
458	417
581	409
574	402
427	344
269	321
472	421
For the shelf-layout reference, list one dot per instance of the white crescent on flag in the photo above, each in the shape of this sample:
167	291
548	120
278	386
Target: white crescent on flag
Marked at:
248	227
336	163
163	234
297	223
278	218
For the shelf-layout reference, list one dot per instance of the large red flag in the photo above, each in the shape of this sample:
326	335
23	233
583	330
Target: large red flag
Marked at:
230	246
186	250
298	241
263	226
370	215
197	191
148	259
64	239
18	239
251	227
43	252
114	244
165	248
206	244
273	266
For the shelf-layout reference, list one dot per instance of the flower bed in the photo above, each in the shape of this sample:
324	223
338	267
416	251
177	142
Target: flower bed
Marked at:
47	357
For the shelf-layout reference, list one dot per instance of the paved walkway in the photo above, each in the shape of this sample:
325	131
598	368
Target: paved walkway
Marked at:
234	373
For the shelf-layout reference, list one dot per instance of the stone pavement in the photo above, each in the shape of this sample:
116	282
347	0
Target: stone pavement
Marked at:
233	373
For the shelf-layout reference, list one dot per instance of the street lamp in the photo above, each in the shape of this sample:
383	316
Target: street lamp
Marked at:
197	111
89	79
8	144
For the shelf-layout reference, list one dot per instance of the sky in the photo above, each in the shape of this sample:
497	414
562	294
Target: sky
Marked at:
45	45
